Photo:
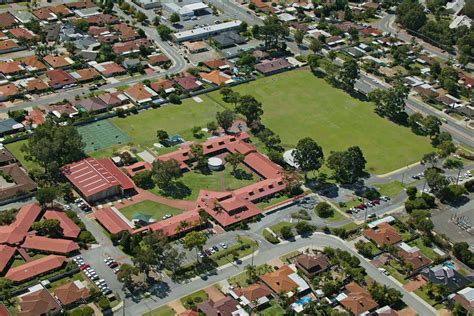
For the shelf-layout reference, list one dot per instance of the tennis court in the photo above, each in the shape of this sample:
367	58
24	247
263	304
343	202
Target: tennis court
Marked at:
102	134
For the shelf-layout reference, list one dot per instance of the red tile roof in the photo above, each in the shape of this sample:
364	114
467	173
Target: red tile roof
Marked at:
91	176
70	229
6	20
137	168
44	14
33	63
59	78
21	32
58	61
10	67
111	221
279	280
52	245
168	226
36	267
358	299
130	46
8	90
16	232
383	234
38	303
7	253
187	83
7	45
35	117
71	293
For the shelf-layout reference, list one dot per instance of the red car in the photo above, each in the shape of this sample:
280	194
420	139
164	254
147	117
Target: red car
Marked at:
362	206
376	201
84	266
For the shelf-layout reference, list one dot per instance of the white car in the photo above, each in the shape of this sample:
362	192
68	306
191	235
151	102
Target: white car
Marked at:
383	271
224	246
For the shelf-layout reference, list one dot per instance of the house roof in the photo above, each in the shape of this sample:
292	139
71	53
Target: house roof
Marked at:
92	104
85	74
168	226
91	176
64	108
70	229
60	9
102	19
279	280
35	267
58	61
111	221
35	84
189	312
33	63
59	77
253	292
157	59
140	93
20	32
215	77
126	32
8	90
16	231
7	253
109	68
37	303
310	262
44	14
413	256
447	276
8	44
358	299
216	63
465	297
6	156
113	98
196	46
268	66
187	82
162	84
130	46
6	20
35	117
10	67
137	167
223	307
383	234
71	292
52	245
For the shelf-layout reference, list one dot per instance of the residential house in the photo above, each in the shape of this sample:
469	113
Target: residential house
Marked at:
52	31
62	109
6	157
224	307
102	19
333	41
17	183
196	47
72	293
286	281
124	48
8	91
356	299
21	33
312	264
188	83
91	105
254	296
465	297
38	302
10	68
270	67
58	62
45	14
383	235
127	33
228	39
32	63
448	100
58	79
9	46
113	99
158	60
140	94
85	75
109	68
61	10
34	118
23	16
6	20
163	85
216	77
412	256
445	276
220	64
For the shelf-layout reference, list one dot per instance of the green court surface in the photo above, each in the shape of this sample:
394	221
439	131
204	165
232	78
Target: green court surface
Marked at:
154	209
101	134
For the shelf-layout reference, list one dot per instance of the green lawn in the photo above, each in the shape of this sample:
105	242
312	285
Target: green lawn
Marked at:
241	278
335	217
390	189
422	292
15	149
214	180
297	104
175	119
161	311
75	277
426	250
194	298
156	210
272	201
274	310
277	227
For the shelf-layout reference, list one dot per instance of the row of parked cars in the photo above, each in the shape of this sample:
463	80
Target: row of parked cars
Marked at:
92	275
369	204
212	250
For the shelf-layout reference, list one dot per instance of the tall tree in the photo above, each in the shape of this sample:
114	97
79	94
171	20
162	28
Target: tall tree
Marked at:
53	146
308	155
454	164
164	172
348	166
197	153
234	159
125	275
194	240
6	287
390	102
299	36
273	32
315	45
225	119
431	125
349	74
249	107
430	158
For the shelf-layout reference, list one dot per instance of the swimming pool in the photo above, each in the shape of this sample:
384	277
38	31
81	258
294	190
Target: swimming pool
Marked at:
450	265
304	300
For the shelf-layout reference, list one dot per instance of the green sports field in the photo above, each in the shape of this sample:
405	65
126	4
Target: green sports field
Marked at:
297	104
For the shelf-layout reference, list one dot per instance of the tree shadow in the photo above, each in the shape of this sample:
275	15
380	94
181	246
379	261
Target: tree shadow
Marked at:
241	174
176	190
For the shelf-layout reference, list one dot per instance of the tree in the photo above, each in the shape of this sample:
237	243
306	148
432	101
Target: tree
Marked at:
431	125
462	252
249	107
436	180
53	146
234	159
415	121
348	166
349	74
303	227
48	227
104	303
299	36
315	45
164	32
47	195
286	232
174	18
225	119
126	273
308	155
230	96
324	210
197	153
391	102
162	135
384	295
412	192
144	180
430	158
212	127
411	15
292	180
446	148
194	240
173	260
454	164
81	24
273	31
313	62
164	172
6	286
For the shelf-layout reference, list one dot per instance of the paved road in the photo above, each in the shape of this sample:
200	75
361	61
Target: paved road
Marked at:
266	254
235	10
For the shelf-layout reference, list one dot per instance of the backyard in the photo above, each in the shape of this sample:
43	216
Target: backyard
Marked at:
147	207
297	104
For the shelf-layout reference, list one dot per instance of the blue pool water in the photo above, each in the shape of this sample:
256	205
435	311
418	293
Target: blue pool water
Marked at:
450	265
303	300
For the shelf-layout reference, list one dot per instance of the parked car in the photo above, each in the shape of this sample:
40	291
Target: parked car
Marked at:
84	267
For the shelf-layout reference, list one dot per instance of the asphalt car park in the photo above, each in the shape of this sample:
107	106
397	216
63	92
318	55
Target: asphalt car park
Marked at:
92	275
